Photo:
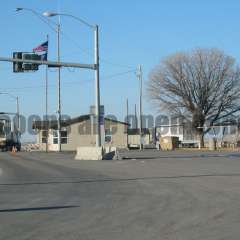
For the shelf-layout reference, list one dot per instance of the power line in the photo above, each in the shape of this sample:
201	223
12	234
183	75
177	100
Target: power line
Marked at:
90	53
71	82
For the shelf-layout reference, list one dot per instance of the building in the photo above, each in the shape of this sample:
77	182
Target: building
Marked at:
134	137
178	128
226	133
80	131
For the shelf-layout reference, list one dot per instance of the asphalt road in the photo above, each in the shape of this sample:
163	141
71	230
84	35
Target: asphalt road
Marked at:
147	195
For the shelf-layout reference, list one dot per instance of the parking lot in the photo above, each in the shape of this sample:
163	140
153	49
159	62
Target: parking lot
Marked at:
146	195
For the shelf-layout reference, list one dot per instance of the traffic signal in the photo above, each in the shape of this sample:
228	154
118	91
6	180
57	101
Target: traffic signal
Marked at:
17	67
25	67
30	66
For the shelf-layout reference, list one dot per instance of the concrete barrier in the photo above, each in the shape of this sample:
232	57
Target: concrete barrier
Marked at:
97	153
89	153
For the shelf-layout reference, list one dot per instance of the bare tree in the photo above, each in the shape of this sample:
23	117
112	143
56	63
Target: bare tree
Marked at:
203	86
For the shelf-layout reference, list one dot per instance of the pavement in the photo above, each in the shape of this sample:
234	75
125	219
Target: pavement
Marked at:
147	195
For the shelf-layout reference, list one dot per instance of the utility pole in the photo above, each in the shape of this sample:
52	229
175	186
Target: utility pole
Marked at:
97	87
59	88
139	75
127	122
46	102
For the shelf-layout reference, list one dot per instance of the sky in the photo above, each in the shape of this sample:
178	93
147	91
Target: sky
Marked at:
131	33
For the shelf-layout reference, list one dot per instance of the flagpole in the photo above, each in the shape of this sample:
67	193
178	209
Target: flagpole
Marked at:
46	101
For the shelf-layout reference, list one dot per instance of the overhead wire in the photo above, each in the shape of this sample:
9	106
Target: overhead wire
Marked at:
71	82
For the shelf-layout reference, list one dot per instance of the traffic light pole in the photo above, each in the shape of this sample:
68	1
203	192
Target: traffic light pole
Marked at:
73	65
50	63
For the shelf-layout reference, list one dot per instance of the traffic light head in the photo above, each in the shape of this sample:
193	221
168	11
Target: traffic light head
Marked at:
17	67
25	67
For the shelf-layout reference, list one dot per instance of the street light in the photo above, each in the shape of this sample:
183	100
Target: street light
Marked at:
17	110
96	61
54	14
57	30
49	14
37	14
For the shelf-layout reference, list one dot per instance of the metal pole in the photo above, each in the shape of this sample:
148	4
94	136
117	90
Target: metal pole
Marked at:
127	123
59	89
46	107
49	63
97	87
140	103
18	117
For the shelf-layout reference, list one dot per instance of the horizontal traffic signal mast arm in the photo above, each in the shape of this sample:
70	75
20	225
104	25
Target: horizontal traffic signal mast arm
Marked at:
7	113
49	63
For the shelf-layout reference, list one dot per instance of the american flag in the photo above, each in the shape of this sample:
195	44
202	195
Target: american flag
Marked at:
41	48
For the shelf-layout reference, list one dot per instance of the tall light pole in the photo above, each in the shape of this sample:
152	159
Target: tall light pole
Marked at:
46	102
59	88
57	30
96	62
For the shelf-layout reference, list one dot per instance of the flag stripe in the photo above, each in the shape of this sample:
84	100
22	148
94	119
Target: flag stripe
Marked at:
41	48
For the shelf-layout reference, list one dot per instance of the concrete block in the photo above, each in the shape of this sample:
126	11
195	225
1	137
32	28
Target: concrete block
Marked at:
89	153
96	153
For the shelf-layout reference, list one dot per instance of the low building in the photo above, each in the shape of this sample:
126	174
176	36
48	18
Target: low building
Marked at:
183	131
227	135
80	131
134	137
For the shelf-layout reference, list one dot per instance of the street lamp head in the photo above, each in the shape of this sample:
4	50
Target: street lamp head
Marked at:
19	9
49	14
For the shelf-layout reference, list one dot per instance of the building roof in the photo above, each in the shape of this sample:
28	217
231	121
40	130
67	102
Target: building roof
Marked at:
53	124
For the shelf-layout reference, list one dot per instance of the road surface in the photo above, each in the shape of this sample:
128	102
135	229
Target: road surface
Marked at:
148	195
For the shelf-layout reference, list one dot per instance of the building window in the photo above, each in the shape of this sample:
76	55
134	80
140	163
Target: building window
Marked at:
108	135
44	136
55	137
64	137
